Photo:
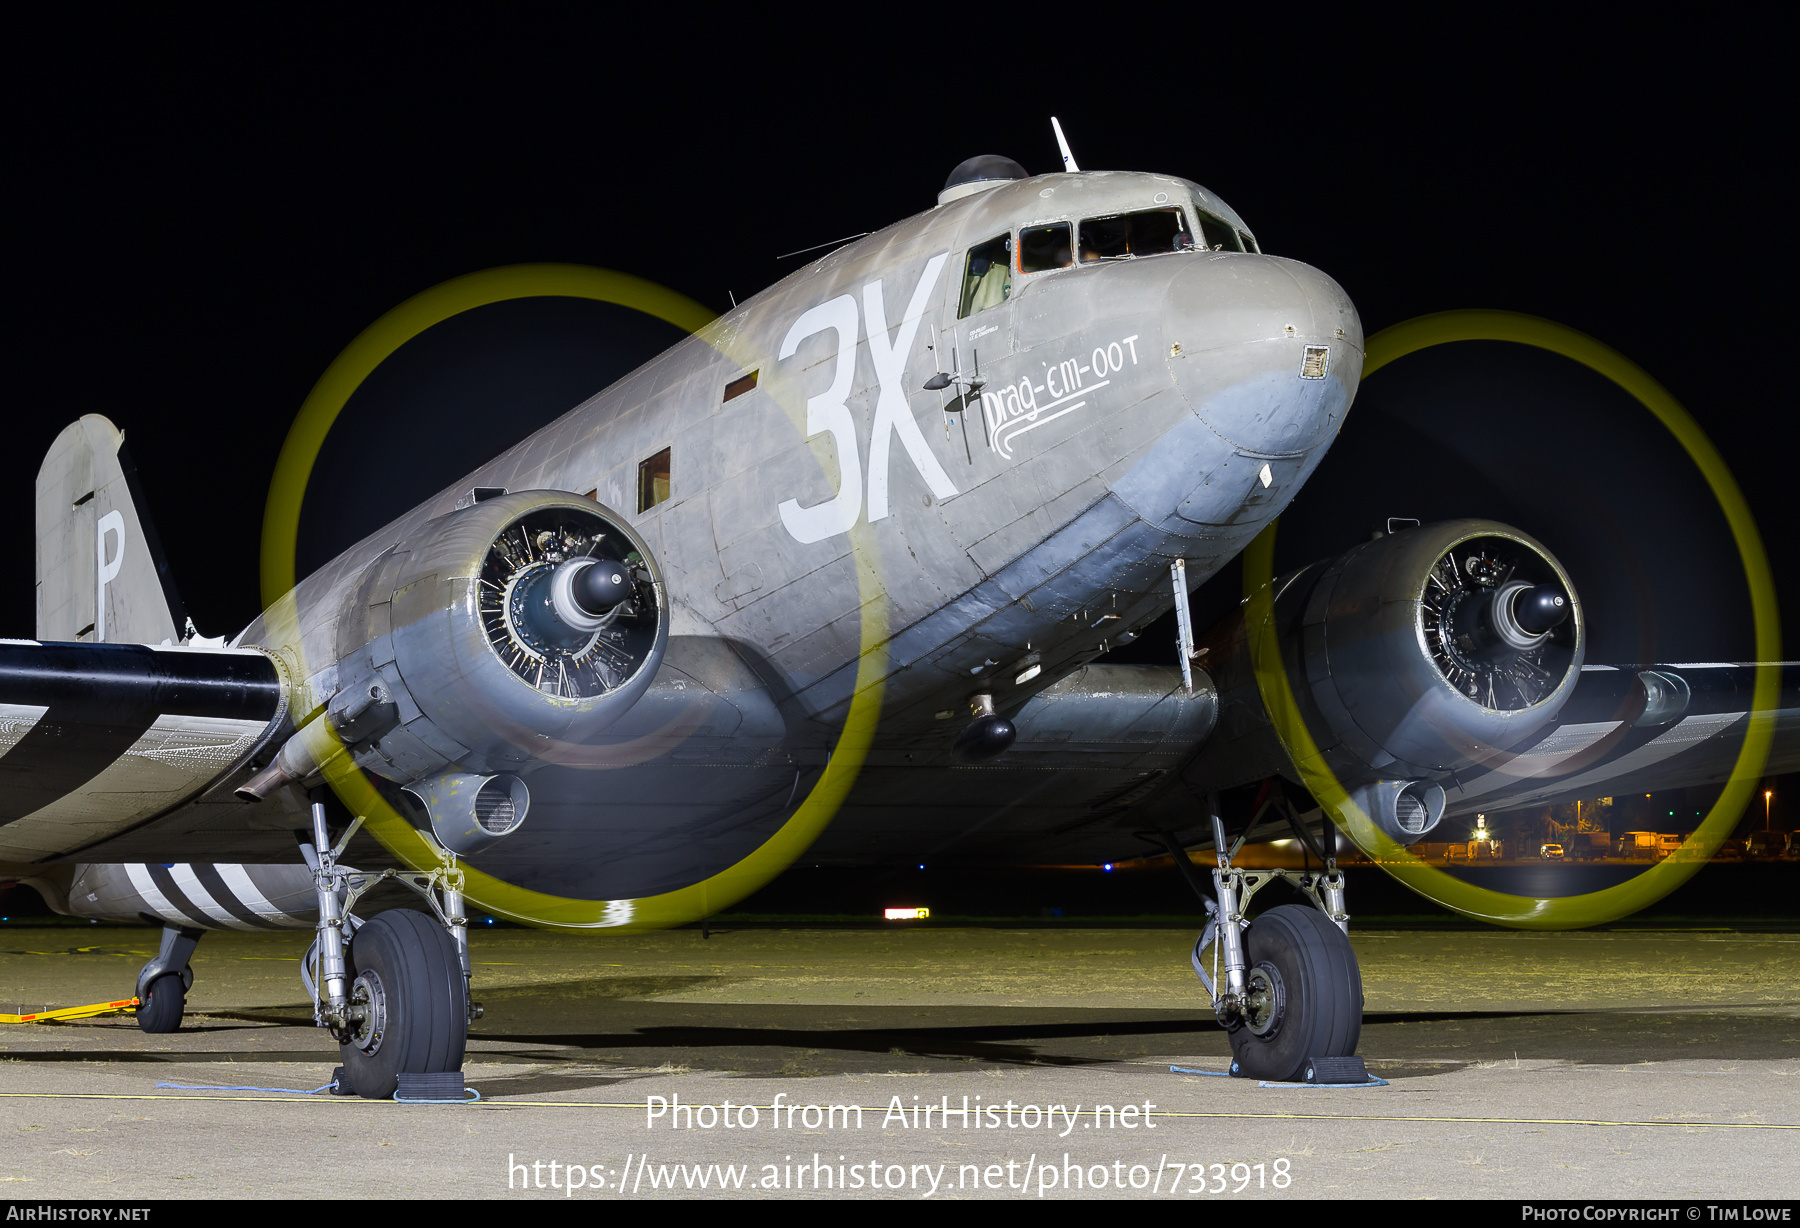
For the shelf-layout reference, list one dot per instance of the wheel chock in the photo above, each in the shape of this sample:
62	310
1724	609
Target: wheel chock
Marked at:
1330	1072
445	1087
1318	1072
1334	1071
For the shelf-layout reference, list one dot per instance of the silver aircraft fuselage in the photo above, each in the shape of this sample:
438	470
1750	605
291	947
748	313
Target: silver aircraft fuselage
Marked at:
1130	412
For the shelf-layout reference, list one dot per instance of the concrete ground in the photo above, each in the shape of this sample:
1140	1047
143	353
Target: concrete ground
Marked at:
1585	1065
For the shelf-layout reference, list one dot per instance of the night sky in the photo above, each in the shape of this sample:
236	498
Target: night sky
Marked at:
205	214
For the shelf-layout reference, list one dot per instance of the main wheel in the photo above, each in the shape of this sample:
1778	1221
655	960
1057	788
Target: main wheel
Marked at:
408	981
161	1009
1304	994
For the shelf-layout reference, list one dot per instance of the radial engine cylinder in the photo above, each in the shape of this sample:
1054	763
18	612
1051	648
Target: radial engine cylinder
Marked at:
1413	655
506	633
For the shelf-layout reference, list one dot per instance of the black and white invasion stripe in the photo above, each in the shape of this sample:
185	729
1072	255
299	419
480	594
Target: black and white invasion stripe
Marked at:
197	895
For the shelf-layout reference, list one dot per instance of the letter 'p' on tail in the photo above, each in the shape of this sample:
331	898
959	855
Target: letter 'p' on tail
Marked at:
101	577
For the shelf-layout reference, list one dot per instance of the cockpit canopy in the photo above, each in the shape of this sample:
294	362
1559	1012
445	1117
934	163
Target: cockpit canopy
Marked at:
991	264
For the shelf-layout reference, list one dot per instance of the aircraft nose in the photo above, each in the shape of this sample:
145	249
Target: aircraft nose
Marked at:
1266	351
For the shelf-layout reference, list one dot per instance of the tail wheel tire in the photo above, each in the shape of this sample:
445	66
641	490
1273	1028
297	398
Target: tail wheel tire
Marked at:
161	1009
406	977
1305	995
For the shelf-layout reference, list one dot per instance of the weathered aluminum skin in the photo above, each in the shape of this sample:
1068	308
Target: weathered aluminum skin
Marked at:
175	758
202	896
1137	411
88	529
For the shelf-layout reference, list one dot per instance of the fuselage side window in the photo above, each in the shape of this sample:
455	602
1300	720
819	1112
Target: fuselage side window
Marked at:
1045	247
739	386
1219	237
987	278
1149	233
653	481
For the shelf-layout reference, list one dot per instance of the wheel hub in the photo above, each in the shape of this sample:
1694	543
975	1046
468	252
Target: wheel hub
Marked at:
368	1012
1265	1000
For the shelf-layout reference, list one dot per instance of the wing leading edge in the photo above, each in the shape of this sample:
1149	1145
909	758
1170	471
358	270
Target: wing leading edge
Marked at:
95	738
1625	730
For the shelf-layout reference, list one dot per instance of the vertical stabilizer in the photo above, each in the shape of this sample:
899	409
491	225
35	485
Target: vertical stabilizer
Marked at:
100	572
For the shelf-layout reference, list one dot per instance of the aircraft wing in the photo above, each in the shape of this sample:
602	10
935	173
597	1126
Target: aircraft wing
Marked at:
1627	730
1117	750
98	738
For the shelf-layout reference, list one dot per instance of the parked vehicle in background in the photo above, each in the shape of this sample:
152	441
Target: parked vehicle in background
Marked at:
1767	843
1551	852
1587	845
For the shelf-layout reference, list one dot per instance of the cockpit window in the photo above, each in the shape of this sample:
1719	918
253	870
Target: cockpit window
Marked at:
1149	233
1219	236
988	277
1045	247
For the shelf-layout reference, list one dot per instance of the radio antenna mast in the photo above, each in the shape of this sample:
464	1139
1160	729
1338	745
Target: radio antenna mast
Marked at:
1062	143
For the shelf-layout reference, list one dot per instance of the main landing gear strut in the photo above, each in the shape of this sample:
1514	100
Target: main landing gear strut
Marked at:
394	990
1286	985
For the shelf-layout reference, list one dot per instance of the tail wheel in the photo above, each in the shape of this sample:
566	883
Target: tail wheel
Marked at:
163	1004
407	984
1304	995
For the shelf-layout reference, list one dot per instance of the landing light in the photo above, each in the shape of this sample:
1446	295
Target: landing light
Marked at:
1107	867
907	914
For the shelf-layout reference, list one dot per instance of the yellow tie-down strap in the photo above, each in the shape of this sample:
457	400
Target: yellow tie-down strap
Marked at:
72	1012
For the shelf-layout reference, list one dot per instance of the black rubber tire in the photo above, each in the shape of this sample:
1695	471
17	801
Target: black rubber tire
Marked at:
161	1009
427	1002
1322	1016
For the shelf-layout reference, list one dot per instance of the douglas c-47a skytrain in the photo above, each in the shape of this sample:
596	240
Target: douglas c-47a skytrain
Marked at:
831	576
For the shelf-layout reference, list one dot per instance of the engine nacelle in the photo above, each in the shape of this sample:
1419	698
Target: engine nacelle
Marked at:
1414	653
1412	656
502	632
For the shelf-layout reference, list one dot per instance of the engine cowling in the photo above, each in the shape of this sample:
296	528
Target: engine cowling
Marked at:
1412	657
1415	654
502	631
